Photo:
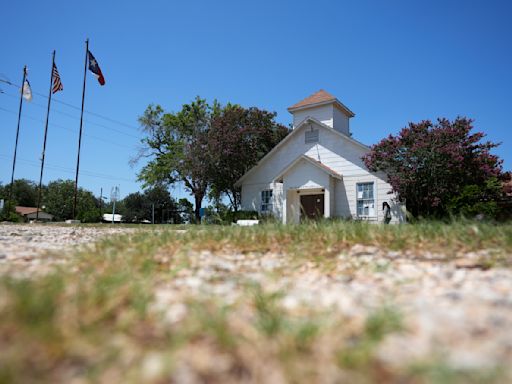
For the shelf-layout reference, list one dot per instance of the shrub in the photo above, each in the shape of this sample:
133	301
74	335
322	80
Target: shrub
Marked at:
476	200
8	213
231	217
91	216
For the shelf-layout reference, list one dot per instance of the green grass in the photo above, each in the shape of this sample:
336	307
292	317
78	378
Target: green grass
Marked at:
359	353
93	318
429	236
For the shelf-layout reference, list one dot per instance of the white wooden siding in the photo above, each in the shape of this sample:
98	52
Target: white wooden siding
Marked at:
305	175
323	113
251	197
340	121
336	152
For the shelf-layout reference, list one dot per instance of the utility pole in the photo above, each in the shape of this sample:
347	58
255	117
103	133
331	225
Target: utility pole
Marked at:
114	195
153	213
101	203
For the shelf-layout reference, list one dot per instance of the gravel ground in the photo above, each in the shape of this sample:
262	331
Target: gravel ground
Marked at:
455	313
30	248
454	310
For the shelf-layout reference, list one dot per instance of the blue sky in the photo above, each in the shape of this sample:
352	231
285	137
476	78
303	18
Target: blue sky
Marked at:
390	62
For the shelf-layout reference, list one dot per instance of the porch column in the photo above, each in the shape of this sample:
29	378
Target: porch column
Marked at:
285	203
327	202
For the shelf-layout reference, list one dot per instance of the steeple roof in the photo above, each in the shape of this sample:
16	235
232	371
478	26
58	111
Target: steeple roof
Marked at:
320	98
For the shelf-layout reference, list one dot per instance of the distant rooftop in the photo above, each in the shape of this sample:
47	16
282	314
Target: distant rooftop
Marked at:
26	210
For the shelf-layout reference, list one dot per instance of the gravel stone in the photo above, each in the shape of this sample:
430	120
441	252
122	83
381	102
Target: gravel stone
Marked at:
26	249
463	315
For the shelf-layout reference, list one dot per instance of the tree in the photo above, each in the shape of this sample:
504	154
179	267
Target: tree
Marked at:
58	201
164	204
429	164
176	144
8	212
237	140
24	193
138	206
186	211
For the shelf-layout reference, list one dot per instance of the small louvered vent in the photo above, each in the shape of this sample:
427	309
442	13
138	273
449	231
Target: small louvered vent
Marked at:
311	136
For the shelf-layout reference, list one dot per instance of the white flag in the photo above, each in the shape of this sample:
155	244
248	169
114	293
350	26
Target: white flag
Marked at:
27	92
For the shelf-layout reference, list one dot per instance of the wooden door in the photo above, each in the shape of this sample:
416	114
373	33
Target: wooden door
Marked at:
312	207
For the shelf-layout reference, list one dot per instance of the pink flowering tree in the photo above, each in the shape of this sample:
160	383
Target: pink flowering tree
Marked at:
429	164
237	140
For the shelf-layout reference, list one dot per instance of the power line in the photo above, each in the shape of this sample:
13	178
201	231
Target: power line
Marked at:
76	118
75	107
66	128
70	170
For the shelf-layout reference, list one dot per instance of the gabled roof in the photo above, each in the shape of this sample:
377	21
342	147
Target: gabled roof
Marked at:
318	99
327	169
26	210
310	160
288	138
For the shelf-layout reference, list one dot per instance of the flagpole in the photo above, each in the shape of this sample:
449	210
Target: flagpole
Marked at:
80	134
45	135
17	135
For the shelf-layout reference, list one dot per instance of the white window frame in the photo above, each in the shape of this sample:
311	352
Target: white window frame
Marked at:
366	198
267	202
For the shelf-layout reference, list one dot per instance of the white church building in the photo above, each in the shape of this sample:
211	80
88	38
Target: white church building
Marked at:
317	171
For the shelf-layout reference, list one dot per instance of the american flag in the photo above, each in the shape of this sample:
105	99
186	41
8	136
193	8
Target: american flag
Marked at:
57	84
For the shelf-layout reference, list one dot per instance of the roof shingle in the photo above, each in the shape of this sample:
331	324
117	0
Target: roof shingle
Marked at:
26	210
318	97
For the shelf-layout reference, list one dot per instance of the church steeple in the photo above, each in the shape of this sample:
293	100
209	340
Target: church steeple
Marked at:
324	107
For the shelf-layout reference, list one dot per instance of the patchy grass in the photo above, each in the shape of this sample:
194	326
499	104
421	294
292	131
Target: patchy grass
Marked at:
437	371
331	237
96	318
359	353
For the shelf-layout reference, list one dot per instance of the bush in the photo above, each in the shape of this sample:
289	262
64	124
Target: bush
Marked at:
269	219
231	217
212	216
91	216
476	200
12	217
8	213
227	217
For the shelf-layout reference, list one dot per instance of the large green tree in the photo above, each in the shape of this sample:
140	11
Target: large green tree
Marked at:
138	206
58	201
206	147
176	146
24	193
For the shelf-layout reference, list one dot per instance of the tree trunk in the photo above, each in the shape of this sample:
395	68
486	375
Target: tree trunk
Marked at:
235	199
197	209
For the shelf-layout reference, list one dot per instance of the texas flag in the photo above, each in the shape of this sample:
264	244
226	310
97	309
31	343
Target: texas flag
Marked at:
95	68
